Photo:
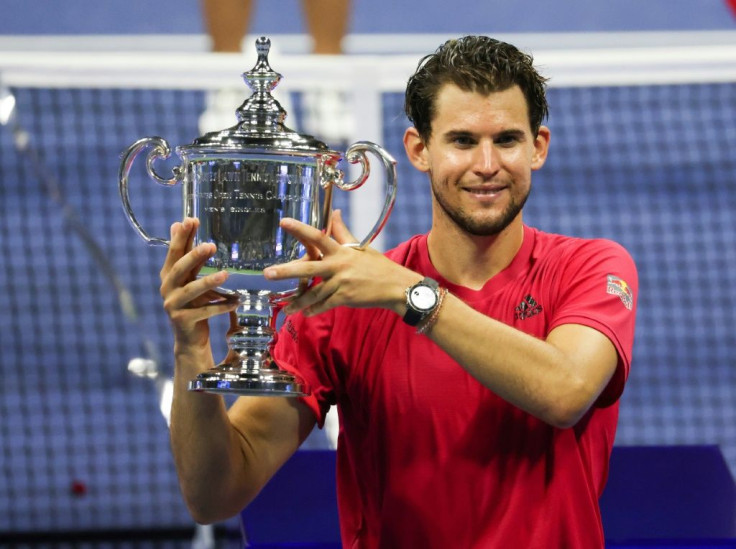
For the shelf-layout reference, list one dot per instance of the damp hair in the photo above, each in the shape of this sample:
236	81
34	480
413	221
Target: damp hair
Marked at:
476	64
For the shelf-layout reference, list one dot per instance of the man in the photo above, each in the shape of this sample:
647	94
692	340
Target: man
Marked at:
476	369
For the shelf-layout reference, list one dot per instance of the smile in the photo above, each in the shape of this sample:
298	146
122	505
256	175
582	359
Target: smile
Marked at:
484	191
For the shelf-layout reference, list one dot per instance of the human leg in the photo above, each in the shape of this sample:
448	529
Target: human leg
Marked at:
327	22
226	22
326	111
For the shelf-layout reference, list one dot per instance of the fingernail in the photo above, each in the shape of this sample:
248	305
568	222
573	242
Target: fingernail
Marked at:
268	272
221	276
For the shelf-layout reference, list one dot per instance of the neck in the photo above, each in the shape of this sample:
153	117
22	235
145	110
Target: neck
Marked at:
469	260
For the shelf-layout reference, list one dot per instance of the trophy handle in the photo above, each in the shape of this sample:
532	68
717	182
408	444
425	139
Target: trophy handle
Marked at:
159	149
356	155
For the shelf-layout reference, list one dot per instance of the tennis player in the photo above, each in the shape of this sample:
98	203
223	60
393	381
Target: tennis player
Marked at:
476	369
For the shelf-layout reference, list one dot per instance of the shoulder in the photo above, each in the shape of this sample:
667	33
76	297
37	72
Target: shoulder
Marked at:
564	250
566	262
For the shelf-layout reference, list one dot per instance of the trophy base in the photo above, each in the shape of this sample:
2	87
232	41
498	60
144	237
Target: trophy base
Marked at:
248	381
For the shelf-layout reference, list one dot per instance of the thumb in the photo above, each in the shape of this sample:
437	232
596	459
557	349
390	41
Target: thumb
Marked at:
340	231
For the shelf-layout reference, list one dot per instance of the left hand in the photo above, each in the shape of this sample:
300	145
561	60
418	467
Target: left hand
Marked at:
348	276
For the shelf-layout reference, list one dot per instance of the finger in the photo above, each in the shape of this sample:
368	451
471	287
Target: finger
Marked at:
186	296
186	268
182	236
233	323
309	236
306	301
183	317
298	268
172	254
205	251
317	244
190	224
340	231
313	253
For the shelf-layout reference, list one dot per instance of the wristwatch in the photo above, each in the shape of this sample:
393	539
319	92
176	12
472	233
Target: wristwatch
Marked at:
421	300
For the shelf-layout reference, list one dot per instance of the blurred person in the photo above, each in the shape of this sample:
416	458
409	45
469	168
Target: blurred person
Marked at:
325	111
476	369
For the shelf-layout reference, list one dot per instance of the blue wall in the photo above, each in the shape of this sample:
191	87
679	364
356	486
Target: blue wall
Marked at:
372	16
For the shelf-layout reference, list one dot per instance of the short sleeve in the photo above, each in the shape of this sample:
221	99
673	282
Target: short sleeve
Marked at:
599	289
300	349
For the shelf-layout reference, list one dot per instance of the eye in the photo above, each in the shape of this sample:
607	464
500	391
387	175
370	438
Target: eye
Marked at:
508	139
463	141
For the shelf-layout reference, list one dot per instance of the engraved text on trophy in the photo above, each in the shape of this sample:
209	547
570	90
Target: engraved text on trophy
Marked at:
240	203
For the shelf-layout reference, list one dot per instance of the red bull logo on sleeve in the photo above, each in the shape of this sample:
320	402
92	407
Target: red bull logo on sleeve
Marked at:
618	286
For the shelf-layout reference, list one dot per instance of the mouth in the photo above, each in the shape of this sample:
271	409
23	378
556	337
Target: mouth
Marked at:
485	191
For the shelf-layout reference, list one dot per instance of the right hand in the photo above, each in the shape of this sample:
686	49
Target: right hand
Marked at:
190	301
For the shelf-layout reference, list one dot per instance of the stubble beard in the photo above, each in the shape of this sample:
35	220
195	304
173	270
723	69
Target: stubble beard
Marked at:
481	227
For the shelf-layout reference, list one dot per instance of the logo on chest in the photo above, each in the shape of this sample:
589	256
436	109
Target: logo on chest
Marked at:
291	330
527	308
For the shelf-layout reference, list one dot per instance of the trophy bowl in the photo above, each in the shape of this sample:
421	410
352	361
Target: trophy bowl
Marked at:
240	182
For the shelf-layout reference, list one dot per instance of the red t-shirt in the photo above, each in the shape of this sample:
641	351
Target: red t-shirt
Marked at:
427	456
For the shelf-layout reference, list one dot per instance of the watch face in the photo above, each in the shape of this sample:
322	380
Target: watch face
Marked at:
423	298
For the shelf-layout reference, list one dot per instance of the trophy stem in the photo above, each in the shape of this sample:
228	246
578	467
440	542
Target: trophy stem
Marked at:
256	330
250	368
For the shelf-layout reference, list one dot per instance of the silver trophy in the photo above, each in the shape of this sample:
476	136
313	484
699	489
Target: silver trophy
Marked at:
240	182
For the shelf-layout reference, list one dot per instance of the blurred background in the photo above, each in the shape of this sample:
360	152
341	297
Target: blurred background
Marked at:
168	17
643	119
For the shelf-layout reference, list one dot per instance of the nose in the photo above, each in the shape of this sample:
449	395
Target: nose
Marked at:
485	161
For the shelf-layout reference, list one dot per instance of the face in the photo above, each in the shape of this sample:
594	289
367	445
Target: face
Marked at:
479	158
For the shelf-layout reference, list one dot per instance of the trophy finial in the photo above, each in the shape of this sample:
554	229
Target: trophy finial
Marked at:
263	46
262	78
261	110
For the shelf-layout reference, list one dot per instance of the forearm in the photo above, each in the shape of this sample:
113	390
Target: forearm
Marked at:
212	457
534	375
556	380
207	450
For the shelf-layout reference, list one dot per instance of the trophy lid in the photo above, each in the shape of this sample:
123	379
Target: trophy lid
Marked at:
261	119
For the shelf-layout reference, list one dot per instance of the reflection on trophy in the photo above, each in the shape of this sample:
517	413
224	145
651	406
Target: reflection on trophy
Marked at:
240	182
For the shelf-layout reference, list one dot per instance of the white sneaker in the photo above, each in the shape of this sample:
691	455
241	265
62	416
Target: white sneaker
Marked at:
327	116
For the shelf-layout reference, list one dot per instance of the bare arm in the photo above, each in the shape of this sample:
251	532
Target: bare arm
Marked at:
223	458
557	379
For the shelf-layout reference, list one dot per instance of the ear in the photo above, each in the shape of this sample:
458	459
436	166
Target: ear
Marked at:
541	146
416	149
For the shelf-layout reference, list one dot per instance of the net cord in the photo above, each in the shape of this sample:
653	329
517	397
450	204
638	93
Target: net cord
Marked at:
386	73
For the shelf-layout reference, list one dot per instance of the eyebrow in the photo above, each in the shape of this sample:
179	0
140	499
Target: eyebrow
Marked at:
513	133
455	134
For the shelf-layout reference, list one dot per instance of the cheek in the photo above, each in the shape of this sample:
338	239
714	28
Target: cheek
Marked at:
520	161
448	163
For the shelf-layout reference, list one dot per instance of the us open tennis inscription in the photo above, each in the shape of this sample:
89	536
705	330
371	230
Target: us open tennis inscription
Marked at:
244	202
240	203
240	183
254	188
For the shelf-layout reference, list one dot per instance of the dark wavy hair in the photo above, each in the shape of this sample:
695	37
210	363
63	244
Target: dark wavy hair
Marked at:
477	64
